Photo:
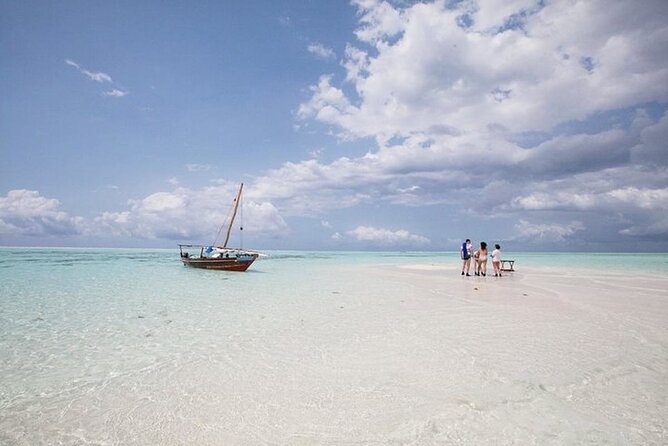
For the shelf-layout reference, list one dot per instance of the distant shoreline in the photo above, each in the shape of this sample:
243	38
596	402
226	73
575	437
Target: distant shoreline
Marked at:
388	251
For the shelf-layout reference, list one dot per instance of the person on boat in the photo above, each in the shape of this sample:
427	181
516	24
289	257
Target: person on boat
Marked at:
496	260
480	257
465	253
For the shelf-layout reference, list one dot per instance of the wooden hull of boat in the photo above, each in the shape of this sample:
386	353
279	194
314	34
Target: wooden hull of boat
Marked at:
219	264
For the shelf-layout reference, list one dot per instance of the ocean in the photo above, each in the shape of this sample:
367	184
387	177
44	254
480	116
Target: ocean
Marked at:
128	346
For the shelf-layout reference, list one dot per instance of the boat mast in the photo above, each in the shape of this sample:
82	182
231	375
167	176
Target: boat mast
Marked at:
234	214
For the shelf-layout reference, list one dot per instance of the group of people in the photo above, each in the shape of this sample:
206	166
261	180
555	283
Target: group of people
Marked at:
479	257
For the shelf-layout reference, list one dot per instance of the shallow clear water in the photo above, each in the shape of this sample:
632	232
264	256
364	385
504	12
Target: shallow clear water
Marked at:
126	346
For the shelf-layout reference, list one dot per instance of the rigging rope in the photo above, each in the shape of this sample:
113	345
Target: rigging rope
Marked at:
229	215
241	220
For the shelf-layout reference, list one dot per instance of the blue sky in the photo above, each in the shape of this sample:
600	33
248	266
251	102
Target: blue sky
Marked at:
365	125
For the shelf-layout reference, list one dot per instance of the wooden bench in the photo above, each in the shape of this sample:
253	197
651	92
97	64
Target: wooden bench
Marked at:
510	267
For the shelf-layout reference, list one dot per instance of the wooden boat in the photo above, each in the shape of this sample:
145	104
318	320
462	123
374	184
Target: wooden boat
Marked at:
220	257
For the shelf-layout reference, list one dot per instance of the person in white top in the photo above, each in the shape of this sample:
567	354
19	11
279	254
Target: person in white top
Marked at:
496	260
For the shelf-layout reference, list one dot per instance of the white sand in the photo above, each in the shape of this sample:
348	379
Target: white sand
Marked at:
535	357
421	355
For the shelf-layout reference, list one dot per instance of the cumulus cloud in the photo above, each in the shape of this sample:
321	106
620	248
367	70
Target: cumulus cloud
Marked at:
632	201
592	200
190	214
27	213
378	19
387	237
426	69
524	107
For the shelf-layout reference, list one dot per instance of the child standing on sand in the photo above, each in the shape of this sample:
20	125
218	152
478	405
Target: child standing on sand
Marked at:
496	260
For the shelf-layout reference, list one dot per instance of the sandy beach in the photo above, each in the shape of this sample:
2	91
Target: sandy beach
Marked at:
374	354
420	355
541	356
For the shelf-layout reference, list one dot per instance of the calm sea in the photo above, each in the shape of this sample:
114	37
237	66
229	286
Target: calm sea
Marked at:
92	341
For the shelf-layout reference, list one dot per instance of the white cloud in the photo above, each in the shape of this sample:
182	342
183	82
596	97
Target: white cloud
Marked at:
420	170
546	232
631	201
321	51
161	202
97	77
514	107
328	104
492	15
379	20
187	214
264	218
625	198
425	70
454	93
26	212
387	237
198	167
100	78
642	198
356	63
309	187
115	93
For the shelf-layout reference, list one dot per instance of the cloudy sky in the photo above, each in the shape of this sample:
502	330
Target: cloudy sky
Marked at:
394	125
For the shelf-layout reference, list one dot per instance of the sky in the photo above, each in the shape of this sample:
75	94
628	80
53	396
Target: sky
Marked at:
363	125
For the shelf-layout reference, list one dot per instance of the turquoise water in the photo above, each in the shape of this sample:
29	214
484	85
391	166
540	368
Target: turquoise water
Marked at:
614	262
98	344
86	286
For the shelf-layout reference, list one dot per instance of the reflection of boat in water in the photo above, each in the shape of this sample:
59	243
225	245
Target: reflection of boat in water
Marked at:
219	257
